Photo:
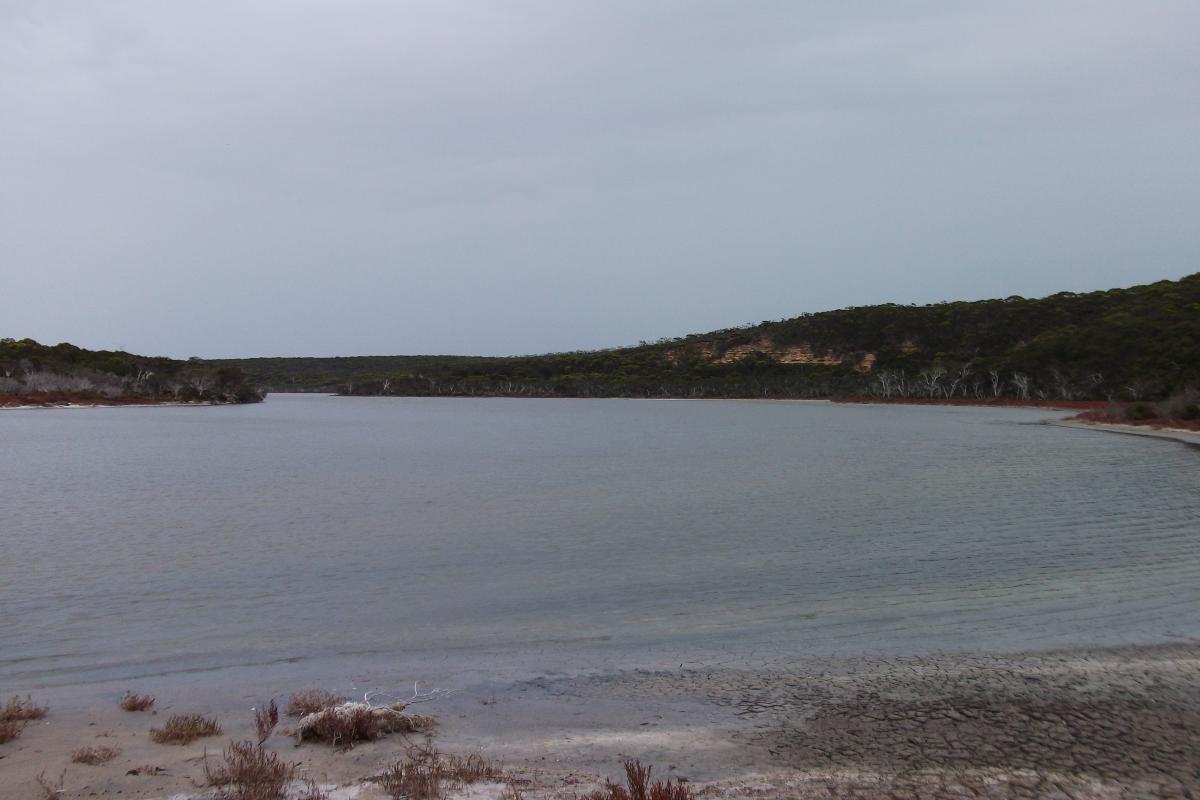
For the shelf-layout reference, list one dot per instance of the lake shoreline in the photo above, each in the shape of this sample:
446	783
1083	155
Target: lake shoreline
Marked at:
1183	435
1148	428
139	403
936	725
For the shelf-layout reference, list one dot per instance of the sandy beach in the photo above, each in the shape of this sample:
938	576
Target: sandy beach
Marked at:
1106	723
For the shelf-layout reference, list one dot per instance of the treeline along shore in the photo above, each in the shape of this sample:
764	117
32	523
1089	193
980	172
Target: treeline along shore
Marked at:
1137	348
1129	354
33	374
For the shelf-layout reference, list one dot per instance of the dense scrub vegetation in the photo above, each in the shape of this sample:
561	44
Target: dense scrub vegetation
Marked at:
1140	343
36	373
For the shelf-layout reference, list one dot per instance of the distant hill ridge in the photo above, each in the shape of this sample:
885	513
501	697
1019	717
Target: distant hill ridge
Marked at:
1141	342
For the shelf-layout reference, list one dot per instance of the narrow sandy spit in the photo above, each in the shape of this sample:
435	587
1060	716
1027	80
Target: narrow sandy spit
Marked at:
1120	722
1173	434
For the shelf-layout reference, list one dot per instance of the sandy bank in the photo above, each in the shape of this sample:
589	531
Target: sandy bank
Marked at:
1108	723
1174	434
973	402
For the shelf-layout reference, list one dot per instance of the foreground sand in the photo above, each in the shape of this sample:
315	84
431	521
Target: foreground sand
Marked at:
1107	723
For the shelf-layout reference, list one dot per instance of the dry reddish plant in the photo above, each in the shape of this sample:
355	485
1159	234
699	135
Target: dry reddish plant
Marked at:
469	769
409	780
14	714
265	720
639	787
248	772
310	701
18	710
137	702
423	774
95	755
185	728
9	730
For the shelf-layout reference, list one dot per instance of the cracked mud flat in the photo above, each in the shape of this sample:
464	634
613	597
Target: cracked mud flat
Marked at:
1112	723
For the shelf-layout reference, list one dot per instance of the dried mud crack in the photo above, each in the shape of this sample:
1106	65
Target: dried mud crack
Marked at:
1115	723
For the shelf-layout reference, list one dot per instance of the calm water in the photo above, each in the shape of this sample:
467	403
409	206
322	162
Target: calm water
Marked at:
316	530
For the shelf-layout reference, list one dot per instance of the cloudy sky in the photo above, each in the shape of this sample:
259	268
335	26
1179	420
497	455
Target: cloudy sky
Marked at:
288	178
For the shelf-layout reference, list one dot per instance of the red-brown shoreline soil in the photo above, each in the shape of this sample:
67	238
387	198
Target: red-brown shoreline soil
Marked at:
50	399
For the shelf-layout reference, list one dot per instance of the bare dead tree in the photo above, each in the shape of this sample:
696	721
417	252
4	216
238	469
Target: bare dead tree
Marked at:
888	383
997	384
1021	381
1063	384
1138	388
959	380
201	382
932	380
42	381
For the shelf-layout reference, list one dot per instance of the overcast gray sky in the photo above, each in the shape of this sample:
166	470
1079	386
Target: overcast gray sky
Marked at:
287	178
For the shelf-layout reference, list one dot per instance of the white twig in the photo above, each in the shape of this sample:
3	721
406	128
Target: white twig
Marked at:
417	696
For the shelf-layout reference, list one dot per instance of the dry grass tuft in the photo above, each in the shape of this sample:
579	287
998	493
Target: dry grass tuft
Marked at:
469	769
310	701
137	702
639	787
9	730
185	728
265	720
248	772
95	755
18	710
409	780
14	714
426	773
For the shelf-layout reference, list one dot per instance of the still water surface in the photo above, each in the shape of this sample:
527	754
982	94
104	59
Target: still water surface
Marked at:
165	541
